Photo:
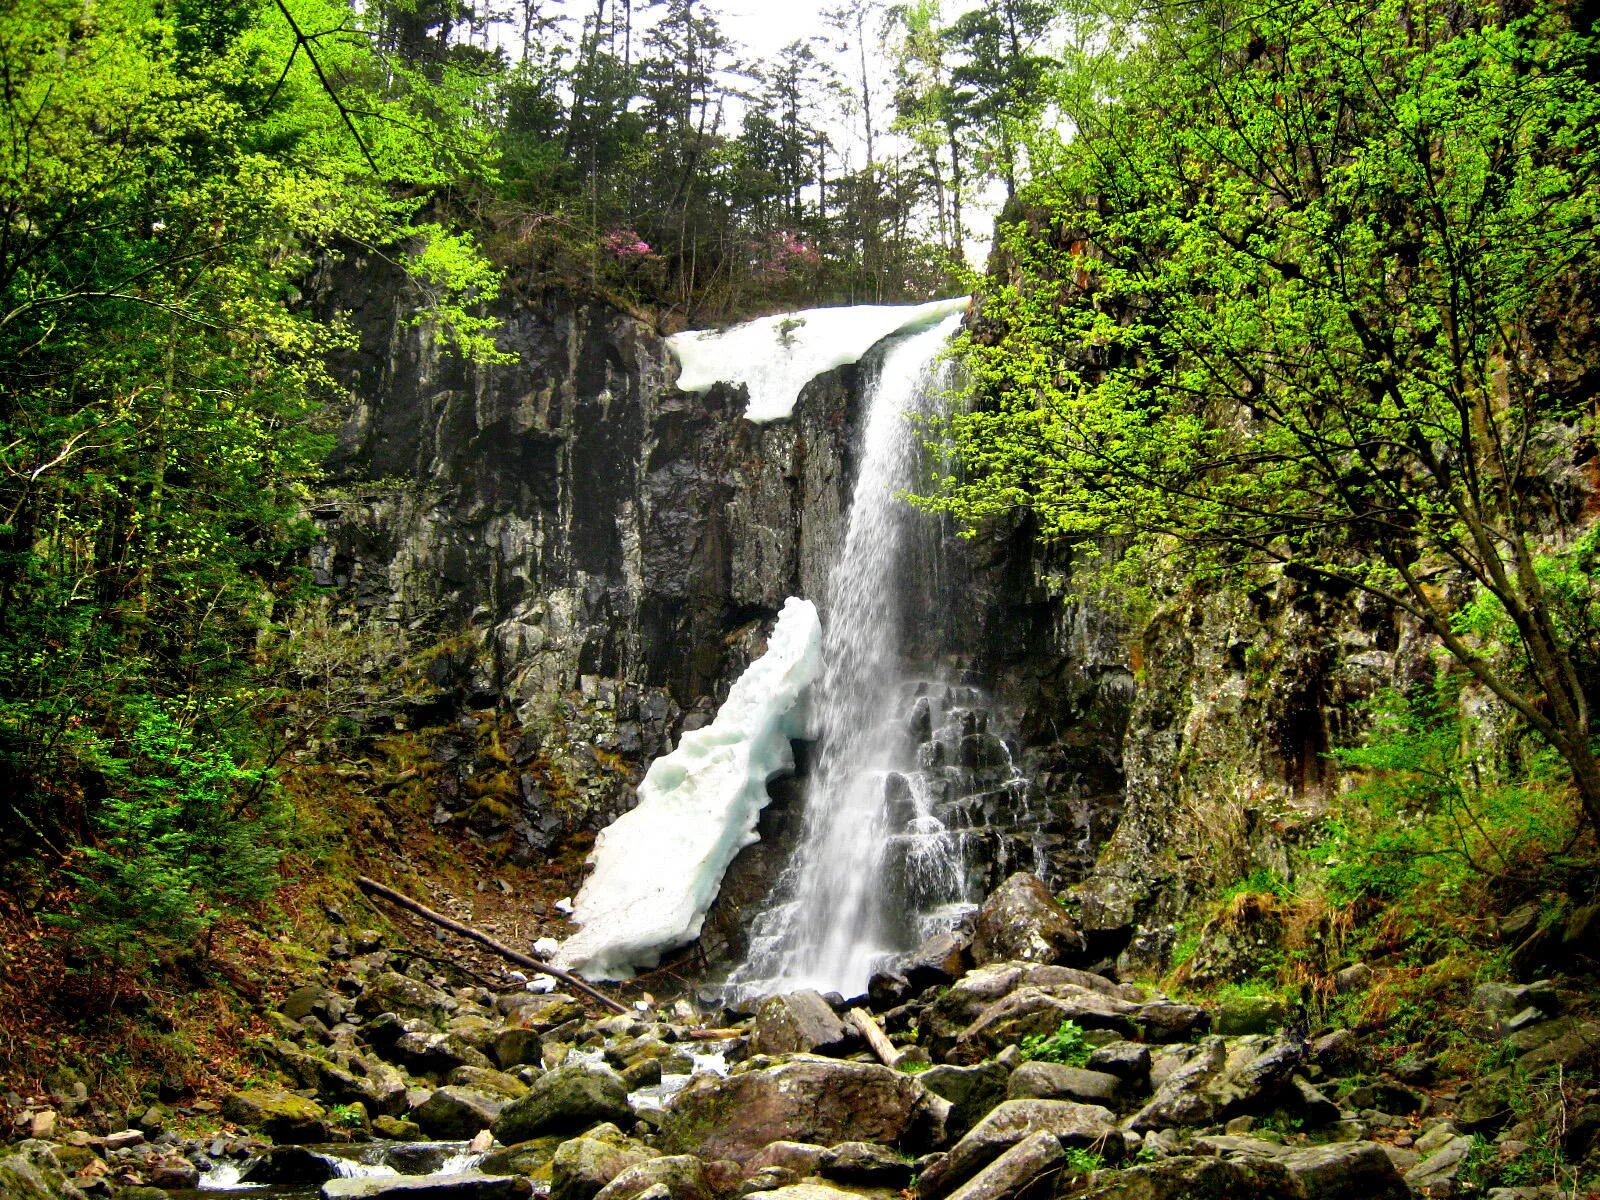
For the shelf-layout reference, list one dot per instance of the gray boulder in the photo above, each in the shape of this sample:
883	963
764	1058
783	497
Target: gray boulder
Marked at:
1084	1125
820	1100
1054	1081
456	1113
798	1023
1189	1178
467	1185
1019	1173
1348	1171
567	1100
972	1091
1022	922
582	1167
683	1175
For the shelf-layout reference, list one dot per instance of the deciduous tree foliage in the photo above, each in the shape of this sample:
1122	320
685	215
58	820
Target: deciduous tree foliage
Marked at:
1312	289
168	173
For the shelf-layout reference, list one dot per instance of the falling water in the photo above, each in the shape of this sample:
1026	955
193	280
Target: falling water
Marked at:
840	908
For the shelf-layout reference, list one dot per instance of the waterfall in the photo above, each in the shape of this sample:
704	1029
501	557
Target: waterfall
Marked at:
874	855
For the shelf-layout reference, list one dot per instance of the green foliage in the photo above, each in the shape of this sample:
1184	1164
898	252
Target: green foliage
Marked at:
1291	301
1081	1161
1432	809
172	175
1066	1045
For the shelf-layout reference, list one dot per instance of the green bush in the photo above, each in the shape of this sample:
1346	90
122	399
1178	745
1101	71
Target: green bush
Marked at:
1066	1045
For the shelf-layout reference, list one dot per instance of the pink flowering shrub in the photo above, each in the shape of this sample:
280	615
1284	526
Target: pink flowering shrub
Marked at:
625	245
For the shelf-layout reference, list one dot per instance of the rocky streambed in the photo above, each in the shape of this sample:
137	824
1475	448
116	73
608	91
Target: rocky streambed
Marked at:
399	1086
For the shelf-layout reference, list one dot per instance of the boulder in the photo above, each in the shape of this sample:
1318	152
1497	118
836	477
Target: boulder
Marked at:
1085	1125
313	1000
1438	1174
867	1165
582	1167
683	1175
971	1091
455	1113
1188	1178
392	992
1022	922
1054	1081
529	1010
1128	1061
517	1047
567	1100
31	1171
1016	1174
1243	1014
1217	1081
532	1158
282	1116
467	1185
798	1023
1348	1171
820	1100
981	987
493	1083
291	1165
805	1191
802	1158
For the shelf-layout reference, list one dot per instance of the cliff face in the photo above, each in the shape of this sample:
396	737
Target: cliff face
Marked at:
569	538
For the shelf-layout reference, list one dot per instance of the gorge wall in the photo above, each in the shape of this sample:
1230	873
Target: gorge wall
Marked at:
569	538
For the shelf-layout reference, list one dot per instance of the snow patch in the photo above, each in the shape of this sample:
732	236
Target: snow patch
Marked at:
775	357
658	868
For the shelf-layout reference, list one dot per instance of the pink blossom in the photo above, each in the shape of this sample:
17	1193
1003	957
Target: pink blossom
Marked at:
623	244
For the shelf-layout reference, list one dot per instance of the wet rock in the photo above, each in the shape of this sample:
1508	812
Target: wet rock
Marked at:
397	1129
531	1158
805	1100
866	1164
291	1165
540	1013
456	1113
972	1091
467	1185
1054	1081
1084	1125
583	1166
567	1100
282	1116
806	1191
1353	1171
799	1023
1022	922
683	1175
1188	1178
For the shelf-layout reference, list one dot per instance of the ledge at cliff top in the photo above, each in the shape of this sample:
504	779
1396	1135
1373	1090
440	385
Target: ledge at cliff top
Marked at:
658	868
775	357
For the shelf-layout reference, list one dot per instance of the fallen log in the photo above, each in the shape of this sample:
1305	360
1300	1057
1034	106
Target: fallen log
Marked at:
401	900
888	1053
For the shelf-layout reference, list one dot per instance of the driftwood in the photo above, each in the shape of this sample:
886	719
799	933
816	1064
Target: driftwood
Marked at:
714	1035
888	1053
400	899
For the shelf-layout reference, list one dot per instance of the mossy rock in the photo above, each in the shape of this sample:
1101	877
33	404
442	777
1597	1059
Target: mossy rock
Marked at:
282	1116
1242	1014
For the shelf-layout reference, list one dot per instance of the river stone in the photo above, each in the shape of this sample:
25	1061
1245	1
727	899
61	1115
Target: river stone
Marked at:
456	1113
802	1158
1054	1081
31	1171
1036	1159
683	1175
866	1164
1085	1125
467	1185
493	1083
583	1166
290	1165
800	1022
1351	1171
806	1191
567	1100
820	1100
1185	1178
1128	1061
1022	922
517	1047
530	1158
282	1116
972	1091
392	992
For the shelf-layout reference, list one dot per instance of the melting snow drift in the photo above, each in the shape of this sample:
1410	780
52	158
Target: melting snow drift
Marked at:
775	357
658	868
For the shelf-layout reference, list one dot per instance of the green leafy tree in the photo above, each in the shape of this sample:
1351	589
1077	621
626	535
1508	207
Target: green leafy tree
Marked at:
1295	298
